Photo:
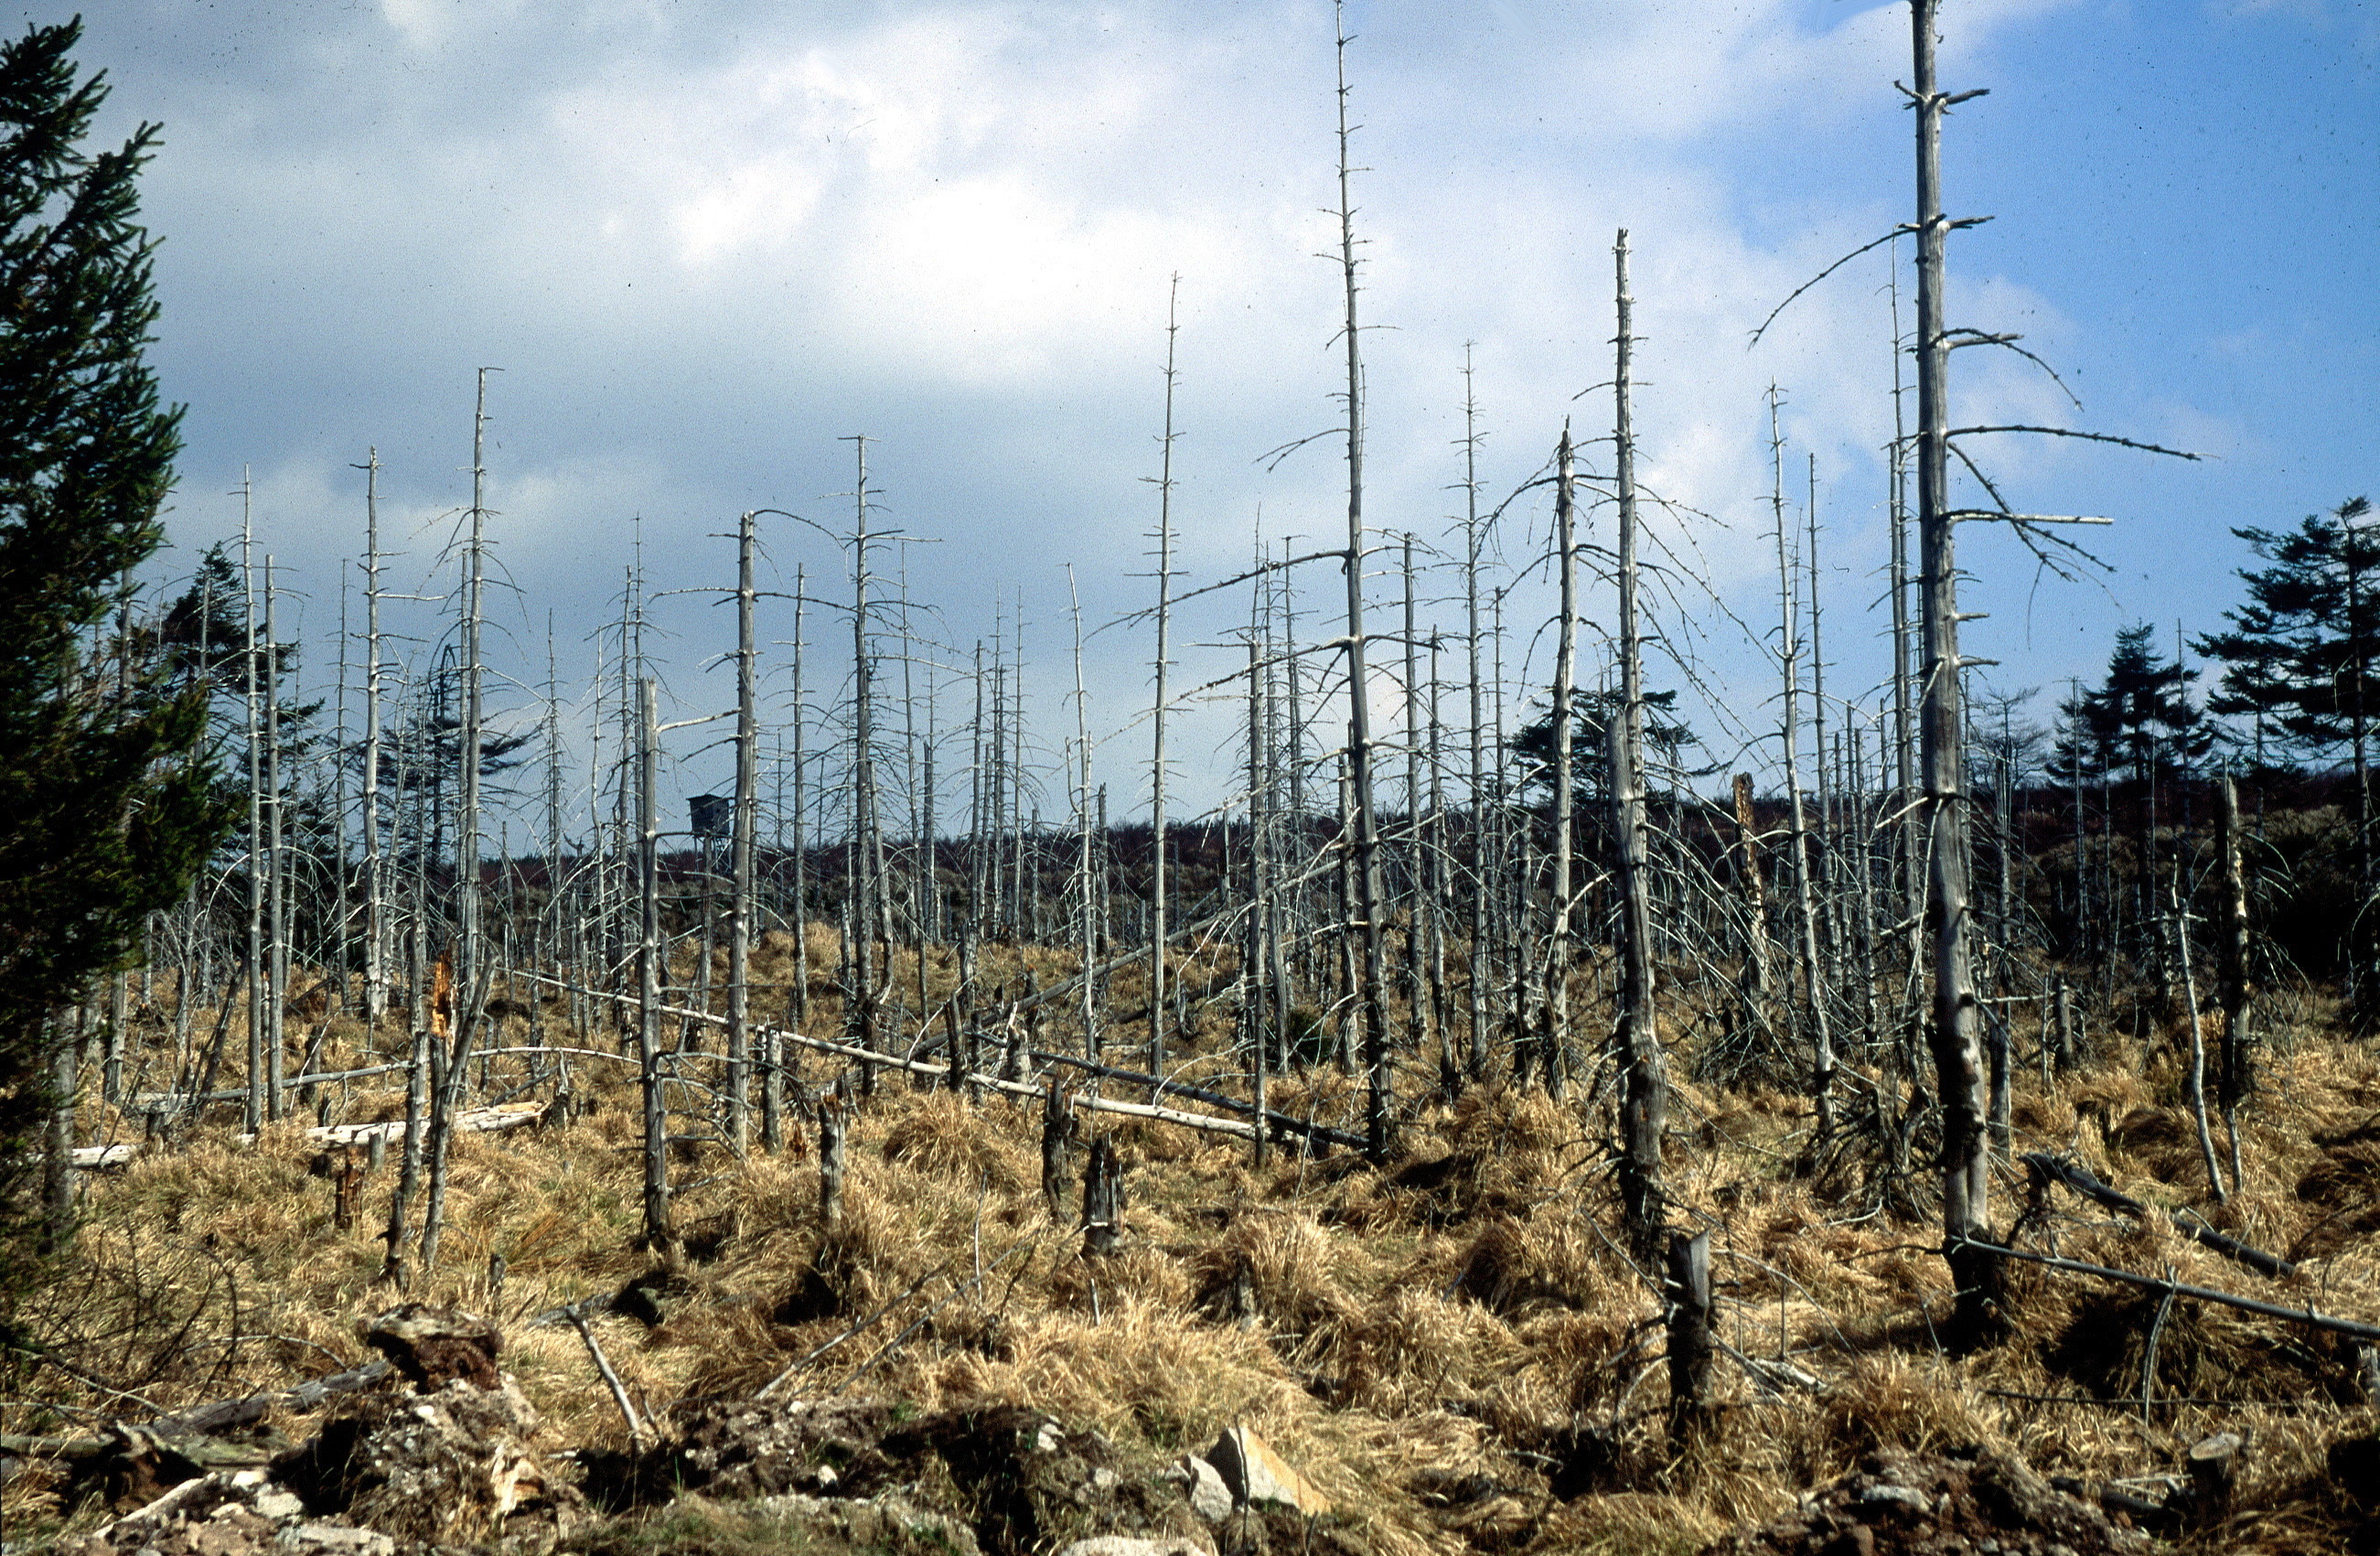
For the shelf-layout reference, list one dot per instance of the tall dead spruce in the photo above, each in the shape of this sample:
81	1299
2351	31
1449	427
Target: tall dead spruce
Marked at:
1373	1003
1960	1081
1940	832
1643	1108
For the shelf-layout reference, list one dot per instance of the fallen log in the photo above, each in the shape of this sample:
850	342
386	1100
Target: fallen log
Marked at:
1277	1122
2306	1315
2081	1179
477	1121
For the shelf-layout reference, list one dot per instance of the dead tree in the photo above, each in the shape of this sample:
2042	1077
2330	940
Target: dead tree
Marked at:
1753	979
2195	1080
256	995
1378	1099
1957	1036
1482	974
1822	1065
1157	881
834	1122
1688	1292
469	985
276	865
659	1237
741	828
1555	1031
374	888
1102	1197
2233	1078
1057	1139
1645	1104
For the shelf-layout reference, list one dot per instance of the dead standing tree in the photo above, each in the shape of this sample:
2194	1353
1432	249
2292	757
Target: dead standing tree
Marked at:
1959	1077
1941	827
1645	1102
1554	1028
1366	906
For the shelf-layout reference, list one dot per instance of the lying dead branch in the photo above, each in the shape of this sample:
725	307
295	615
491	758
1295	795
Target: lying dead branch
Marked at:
2306	1315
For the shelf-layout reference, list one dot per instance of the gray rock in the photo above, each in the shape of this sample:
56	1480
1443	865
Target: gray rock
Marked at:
1256	1476
277	1504
333	1540
1127	1545
1209	1498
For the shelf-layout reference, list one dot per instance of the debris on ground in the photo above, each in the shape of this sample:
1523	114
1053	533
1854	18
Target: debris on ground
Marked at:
1026	1482
1909	1504
456	1465
431	1345
228	1513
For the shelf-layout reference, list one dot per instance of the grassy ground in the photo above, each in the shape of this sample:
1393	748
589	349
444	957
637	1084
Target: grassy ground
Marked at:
1463	1312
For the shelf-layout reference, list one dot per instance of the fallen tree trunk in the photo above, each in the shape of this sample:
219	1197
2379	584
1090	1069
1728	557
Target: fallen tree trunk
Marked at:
2306	1315
2079	1178
1276	1121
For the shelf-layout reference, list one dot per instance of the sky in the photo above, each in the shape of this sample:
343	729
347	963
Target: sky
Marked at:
707	242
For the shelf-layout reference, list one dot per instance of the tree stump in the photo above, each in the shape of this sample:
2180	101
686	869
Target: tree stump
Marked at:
1690	1337
833	1125
2214	1466
1102	1197
1057	1138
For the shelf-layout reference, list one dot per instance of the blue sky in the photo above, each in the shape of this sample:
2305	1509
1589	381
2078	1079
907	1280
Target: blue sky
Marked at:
707	239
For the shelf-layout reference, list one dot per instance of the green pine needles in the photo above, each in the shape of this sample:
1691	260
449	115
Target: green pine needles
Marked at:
105	808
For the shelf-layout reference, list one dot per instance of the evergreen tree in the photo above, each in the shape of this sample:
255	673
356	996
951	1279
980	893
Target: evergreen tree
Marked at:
1592	711
2138	728
106	811
2300	650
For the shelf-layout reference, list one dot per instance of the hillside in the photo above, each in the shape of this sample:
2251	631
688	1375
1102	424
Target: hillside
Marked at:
1451	1347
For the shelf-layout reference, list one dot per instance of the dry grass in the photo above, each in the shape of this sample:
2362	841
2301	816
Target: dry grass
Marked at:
1460	1312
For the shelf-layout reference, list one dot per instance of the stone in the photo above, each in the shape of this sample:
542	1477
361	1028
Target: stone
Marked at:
335	1539
1203	1484
889	1523
228	1513
277	1504
1256	1476
1129	1545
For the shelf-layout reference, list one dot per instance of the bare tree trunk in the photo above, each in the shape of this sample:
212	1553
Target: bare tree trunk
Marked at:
1156	880
1481	973
1554	1034
1904	727
1087	884
1822	1066
256	990
1259	1023
1379	1100
58	1137
865	875
1057	1135
471	954
1689	1294
1102	1197
1755	979
2233	1078
834	1123
276	870
375	890
1645	1103
659	1236
739	903
1957	1052
798	1008
2194	1083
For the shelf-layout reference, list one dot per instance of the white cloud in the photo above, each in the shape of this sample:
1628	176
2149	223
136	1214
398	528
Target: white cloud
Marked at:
708	239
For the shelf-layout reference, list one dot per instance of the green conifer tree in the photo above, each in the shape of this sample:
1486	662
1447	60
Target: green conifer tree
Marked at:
105	808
